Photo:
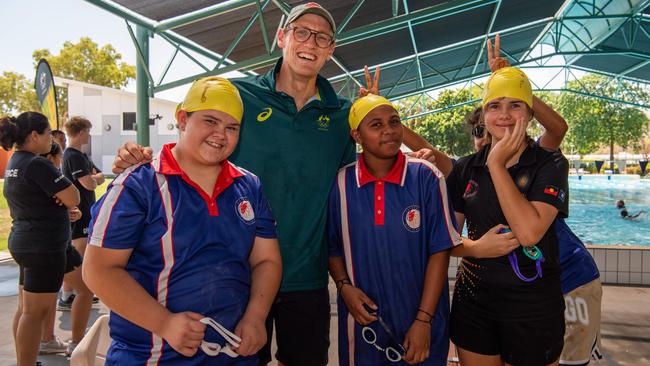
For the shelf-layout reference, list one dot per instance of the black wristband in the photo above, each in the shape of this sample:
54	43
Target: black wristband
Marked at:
340	283
426	312
423	321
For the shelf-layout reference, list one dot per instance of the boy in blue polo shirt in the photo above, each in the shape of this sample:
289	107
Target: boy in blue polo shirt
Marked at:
186	241
390	228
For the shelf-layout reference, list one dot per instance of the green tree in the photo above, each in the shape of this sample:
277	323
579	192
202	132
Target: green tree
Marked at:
85	61
82	61
446	129
594	123
16	94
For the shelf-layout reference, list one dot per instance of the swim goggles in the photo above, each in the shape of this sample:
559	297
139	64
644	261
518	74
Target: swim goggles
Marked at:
532	253
370	336
213	349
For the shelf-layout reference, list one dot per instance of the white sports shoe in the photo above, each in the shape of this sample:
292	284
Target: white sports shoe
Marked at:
53	346
71	346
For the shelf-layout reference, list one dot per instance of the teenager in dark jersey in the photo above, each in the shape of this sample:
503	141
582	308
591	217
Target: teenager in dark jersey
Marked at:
80	170
509	309
580	278
81	308
40	227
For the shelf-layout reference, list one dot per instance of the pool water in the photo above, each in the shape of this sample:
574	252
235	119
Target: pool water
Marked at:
593	215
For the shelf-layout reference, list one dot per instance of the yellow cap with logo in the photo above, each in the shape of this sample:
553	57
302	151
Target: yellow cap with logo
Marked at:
362	106
216	93
508	82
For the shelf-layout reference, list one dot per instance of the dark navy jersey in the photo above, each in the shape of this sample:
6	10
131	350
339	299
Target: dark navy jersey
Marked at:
386	230
578	266
190	250
489	286
77	165
39	224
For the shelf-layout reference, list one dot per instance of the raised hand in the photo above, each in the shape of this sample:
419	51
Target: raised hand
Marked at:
508	146
372	84
424	154
130	154
495	61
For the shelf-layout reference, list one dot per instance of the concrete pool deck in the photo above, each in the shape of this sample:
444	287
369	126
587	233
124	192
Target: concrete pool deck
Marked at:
625	323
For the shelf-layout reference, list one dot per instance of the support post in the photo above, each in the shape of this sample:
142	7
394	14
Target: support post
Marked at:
143	90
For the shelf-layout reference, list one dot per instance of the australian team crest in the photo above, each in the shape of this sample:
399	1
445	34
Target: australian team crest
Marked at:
323	122
245	210
411	218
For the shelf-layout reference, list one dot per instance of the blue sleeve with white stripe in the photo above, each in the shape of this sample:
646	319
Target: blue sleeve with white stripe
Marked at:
118	218
334	243
439	215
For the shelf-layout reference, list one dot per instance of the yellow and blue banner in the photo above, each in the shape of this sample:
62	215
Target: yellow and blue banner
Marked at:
46	92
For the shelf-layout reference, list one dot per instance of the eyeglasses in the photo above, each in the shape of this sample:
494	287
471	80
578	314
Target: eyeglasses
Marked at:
478	131
301	34
213	349
370	336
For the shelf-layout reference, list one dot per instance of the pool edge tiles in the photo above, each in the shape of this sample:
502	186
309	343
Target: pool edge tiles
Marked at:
622	265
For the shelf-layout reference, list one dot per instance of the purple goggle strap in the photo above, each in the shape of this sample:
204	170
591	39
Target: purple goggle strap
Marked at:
514	263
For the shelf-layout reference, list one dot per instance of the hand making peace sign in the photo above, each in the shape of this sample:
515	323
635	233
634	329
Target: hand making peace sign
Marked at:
494	55
372	84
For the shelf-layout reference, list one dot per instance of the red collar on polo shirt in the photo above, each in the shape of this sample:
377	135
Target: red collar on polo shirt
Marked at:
395	176
169	166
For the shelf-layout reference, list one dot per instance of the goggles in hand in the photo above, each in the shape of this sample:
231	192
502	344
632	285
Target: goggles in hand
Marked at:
213	349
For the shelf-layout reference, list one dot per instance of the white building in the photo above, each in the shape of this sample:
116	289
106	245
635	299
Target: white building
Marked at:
112	113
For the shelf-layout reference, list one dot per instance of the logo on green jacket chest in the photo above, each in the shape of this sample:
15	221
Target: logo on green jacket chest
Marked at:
266	113
324	123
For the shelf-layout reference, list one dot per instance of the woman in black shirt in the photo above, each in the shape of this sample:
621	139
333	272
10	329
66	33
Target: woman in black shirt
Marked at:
40	227
509	309
83	299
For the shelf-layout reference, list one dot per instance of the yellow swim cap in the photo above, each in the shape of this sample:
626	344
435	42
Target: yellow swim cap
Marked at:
216	93
362	106
508	82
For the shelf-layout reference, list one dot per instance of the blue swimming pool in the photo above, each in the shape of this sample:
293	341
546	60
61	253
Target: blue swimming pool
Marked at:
594	217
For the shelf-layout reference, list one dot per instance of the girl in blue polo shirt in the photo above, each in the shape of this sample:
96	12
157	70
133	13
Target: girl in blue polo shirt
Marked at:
184	242
509	309
390	229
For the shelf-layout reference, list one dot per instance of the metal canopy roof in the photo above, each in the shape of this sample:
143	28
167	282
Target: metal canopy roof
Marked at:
421	45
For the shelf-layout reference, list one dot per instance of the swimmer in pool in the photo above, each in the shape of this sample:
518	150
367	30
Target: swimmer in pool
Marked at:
620	204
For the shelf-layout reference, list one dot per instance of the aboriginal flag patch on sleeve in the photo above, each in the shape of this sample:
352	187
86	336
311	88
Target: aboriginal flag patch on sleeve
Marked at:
552	190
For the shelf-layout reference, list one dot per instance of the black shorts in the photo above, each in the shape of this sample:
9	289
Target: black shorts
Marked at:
73	259
302	328
80	227
40	272
519	343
